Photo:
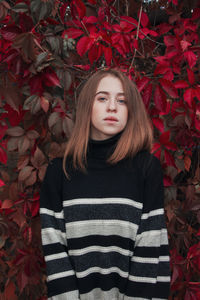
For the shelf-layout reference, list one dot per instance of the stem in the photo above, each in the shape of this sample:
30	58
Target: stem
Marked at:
162	44
127	7
85	28
138	27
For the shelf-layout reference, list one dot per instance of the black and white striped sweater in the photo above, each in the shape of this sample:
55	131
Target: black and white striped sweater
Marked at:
103	233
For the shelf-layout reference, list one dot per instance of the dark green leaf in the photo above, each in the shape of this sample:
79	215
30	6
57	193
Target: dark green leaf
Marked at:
20	7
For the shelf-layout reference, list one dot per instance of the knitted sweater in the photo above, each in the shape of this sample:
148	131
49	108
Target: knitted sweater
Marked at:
103	233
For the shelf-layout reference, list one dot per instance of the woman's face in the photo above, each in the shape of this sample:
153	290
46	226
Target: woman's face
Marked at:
109	112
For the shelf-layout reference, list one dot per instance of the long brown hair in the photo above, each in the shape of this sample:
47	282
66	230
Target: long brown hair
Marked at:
137	134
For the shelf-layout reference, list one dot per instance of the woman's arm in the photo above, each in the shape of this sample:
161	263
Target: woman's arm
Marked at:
61	279
149	274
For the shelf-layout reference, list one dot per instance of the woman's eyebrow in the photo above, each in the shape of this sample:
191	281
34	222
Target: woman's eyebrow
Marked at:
107	93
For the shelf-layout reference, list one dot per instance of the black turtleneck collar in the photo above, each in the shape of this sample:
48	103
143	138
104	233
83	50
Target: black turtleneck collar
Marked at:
101	150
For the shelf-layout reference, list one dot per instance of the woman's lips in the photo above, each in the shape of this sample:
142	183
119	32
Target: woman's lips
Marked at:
111	119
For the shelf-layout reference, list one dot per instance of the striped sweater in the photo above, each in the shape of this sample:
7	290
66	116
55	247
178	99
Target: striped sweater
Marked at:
103	233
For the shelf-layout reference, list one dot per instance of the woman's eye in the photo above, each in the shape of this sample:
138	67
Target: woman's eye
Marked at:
102	99
121	101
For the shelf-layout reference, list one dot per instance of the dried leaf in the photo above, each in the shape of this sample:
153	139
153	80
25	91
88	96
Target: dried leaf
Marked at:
53	119
23	145
25	173
12	144
13	191
65	78
32	134
44	103
187	163
67	126
40	9
38	158
41	58
15	131
42	171
13	96
29	181
25	42
9	292
22	162
7	204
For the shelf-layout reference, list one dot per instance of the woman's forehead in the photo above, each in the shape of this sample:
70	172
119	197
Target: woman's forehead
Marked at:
110	83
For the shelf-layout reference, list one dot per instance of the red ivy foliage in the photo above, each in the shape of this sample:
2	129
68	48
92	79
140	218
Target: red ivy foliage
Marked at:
47	49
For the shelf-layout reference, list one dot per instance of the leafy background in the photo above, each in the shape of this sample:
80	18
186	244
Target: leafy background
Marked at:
47	50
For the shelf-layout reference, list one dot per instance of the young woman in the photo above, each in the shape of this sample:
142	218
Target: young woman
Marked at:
103	227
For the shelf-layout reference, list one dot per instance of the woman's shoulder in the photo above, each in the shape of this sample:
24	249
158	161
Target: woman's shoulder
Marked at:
57	161
54	167
144	155
146	161
147	156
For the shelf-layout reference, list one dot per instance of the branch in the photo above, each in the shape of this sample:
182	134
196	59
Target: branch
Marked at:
131	65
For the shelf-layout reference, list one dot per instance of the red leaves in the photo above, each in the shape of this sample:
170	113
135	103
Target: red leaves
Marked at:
184	45
50	78
10	32
126	25
142	83
1	183
193	257
119	35
192	291
144	19
188	96
47	78
27	262
78	8
165	145
191	76
180	84
108	55
3	153
165	140
175	2
83	45
160	98
177	261
3	129
72	33
9	292
168	87
158	124
191	58
29	204
14	117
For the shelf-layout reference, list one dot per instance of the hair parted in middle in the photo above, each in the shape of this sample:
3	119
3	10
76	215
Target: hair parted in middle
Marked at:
137	134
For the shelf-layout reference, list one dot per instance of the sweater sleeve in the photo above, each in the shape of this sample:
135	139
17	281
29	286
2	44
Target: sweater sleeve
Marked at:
149	273
61	279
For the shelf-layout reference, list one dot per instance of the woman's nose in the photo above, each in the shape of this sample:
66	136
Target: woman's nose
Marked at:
112	105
